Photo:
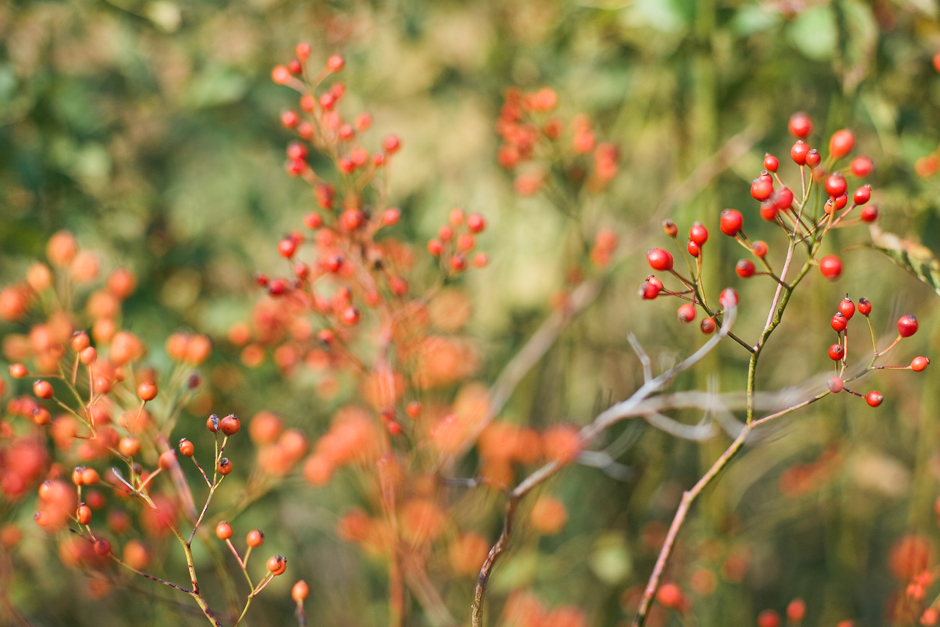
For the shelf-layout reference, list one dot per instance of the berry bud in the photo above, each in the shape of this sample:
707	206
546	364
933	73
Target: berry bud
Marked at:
670	228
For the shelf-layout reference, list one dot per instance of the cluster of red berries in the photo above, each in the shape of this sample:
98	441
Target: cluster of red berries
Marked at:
838	352
525	122
452	246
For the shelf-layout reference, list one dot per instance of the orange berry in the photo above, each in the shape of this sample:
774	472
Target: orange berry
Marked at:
548	515
277	565
43	389
223	530
225	466
147	391
255	538
129	446
187	448
167	460
83	514
300	591
88	356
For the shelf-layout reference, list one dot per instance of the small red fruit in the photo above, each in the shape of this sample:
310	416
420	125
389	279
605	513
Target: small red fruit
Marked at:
670	595
768	618
659	259
874	399
831	267
759	248
230	425
869	213
670	228
761	188
835	385
800	125
796	610
745	268
350	316
836	184
129	446
277	565
728	298
836	352
770	163
43	389
83	514
167	460
280	74
391	144
212	423
300	591
147	391
862	195
223	530
847	308
919	364
813	158
731	222
862	166
224	466
864	306
783	199
798	152
698	233
693	249
18	371
708	326
907	326
187	448
255	538
841	143
476	223
768	211
102	546
687	312
335	63
838	323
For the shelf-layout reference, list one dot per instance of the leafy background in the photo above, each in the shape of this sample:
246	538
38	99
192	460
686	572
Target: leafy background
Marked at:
150	129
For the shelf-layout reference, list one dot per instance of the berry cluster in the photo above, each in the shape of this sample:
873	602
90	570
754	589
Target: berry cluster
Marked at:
537	142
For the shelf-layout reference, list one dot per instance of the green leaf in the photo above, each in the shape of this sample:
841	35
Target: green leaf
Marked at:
814	33
754	18
912	256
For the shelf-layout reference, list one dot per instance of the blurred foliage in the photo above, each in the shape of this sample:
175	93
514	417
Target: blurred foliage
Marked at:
150	129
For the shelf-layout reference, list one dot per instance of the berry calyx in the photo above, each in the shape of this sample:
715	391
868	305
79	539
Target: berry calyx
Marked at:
841	143
874	399
919	364
864	306
223	530
745	268
800	125
831	267
847	308
835	385
907	326
836	352
731	222
687	312
698	233
659	259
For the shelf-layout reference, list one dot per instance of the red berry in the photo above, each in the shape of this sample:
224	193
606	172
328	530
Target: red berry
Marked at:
874	399
335	63
708	326
80	341
480	260
43	389
391	217
759	248
147	391
768	618
813	158
83	514
255	538
728	298
770	163
352	219
907	326
230	425
187	449
800	125
670	595
796	610
302	51
836	352
391	144
687	312
18	371
838	323
212	423
836	184
350	315
768	211
835	385
223	530
167	460
862	166
841	143
761	188
300	591
224	466
745	268
783	199
869	213
313	220
476	223
659	259
670	228
841	201
435	247
102	546
831	267
290	119
864	306
277	565
698	233
798	152
458	263
847	308
280	74
693	249
919	364
731	222
862	195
